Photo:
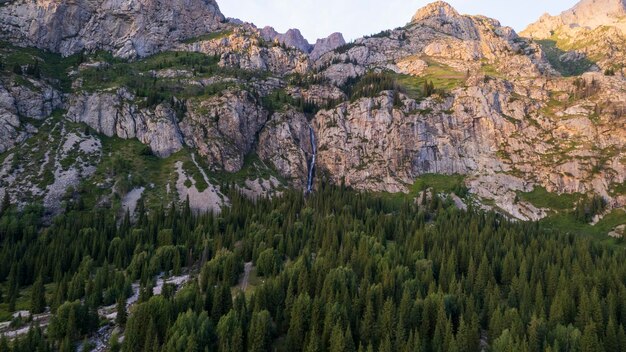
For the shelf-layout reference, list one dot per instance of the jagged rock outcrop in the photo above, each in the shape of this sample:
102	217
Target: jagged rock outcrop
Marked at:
129	29
466	43
285	142
224	128
292	38
117	114
243	47
324	45
35	101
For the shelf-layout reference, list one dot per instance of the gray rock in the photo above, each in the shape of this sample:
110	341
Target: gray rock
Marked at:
292	38
224	128
324	45
116	114
285	142
129	29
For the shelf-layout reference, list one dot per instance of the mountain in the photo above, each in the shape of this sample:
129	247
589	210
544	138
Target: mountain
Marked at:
589	36
587	14
324	45
128	29
292	38
222	102
179	181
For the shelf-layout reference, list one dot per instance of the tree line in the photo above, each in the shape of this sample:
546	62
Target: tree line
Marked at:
340	271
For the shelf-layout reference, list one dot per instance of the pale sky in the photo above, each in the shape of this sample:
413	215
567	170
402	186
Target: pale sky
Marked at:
356	18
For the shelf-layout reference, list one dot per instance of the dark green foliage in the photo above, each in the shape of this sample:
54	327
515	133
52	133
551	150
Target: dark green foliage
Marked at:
6	204
37	297
429	88
589	207
341	271
72	321
370	85
122	314
269	262
278	100
345	48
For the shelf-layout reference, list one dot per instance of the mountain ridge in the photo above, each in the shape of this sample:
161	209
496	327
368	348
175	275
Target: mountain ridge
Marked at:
446	94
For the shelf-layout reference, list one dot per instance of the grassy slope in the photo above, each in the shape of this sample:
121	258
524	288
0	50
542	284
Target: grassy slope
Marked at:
53	66
563	220
444	77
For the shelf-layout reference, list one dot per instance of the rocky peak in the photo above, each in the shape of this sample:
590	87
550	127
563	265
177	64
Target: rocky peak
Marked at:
292	38
127	28
324	45
444	18
435	10
589	14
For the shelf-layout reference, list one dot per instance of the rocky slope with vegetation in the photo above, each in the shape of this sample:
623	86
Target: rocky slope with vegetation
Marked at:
446	94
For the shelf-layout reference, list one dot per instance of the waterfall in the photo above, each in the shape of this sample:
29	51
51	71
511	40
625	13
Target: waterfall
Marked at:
309	185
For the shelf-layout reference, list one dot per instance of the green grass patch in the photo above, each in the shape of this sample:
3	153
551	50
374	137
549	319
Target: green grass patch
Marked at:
566	223
128	164
443	77
541	198
618	189
138	76
440	183
555	49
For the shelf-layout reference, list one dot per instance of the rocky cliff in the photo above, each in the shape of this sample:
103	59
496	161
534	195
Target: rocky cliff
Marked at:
128	29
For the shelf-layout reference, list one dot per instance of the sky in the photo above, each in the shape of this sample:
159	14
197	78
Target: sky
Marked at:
356	18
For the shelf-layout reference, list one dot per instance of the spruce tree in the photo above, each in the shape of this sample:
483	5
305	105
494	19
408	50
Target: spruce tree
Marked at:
38	297
122	314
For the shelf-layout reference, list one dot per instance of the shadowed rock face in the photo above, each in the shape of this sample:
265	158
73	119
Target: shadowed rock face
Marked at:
129	29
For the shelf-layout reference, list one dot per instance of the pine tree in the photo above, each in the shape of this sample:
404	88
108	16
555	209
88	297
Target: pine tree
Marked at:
337	342
385	345
4	344
12	288
38	297
611	342
6	203
260	334
589	341
314	344
122	314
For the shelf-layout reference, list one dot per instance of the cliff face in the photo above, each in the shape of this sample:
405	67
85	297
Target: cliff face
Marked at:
128	29
445	94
